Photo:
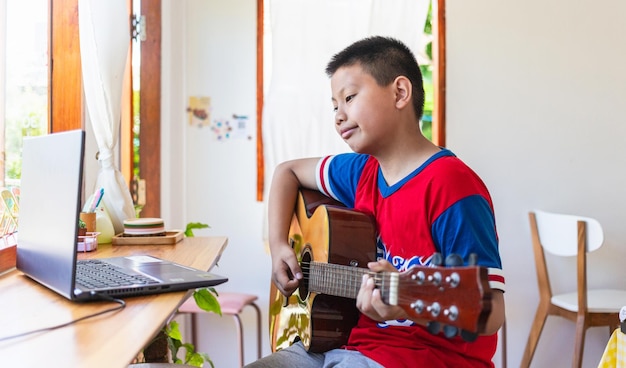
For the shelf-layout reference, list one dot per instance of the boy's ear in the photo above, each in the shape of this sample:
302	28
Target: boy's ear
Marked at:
403	90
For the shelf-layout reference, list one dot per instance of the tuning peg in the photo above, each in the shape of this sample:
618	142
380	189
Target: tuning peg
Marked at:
433	327
436	259
468	336
454	260
450	331
472	259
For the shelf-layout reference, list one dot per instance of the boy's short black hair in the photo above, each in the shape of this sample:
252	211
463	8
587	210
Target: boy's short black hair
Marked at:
384	58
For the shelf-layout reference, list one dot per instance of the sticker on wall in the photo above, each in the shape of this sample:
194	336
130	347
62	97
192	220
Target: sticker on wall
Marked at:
238	127
199	111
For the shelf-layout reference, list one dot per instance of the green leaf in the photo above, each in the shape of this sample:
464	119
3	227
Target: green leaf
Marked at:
206	358
206	300
173	345
194	225
173	331
194	359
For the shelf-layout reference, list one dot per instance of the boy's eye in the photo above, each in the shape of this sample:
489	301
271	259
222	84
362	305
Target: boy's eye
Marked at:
335	108
349	98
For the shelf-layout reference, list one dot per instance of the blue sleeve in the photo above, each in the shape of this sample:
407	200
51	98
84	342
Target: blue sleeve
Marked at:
338	176
467	227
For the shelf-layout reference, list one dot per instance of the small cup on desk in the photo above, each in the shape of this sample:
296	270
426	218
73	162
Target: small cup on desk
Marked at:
89	218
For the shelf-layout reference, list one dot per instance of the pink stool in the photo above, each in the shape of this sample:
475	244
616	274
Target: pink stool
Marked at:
232	304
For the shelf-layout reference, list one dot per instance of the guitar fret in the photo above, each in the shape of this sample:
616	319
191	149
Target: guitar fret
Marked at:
337	280
345	281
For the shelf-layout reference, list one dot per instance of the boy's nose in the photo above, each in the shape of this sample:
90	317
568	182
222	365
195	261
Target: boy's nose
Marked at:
340	117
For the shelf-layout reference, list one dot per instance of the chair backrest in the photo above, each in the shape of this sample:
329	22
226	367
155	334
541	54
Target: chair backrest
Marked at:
564	235
558	233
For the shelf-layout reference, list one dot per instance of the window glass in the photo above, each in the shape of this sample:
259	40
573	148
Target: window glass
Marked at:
25	73
136	87
425	60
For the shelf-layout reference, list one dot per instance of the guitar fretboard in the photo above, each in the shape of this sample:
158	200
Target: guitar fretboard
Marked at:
345	281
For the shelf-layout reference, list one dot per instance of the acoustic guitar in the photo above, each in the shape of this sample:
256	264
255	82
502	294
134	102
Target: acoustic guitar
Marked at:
333	245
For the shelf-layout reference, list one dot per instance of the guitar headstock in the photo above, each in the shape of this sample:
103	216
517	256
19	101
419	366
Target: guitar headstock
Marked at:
457	297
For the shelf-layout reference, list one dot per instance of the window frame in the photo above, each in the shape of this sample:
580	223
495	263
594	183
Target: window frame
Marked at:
66	97
66	100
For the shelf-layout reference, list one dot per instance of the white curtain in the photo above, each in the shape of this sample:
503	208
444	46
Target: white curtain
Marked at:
298	117
104	40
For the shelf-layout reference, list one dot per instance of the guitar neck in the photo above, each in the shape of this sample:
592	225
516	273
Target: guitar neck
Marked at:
345	281
457	296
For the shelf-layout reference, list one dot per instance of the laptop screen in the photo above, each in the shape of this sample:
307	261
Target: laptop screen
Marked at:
50	188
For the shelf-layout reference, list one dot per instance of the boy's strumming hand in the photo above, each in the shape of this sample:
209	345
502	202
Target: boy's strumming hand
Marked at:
286	271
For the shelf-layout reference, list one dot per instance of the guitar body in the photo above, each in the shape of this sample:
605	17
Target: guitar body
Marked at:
321	231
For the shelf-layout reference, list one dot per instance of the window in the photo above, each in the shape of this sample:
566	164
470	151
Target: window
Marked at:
24	72
143	151
434	75
37	31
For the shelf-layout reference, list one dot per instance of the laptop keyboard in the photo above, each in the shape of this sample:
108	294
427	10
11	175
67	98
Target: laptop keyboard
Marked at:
93	273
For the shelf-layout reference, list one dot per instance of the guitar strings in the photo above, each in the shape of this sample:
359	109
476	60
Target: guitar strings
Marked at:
338	280
343	270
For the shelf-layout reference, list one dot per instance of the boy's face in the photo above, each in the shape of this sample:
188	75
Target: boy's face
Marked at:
363	109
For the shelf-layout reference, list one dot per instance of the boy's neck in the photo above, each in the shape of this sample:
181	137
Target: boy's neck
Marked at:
405	158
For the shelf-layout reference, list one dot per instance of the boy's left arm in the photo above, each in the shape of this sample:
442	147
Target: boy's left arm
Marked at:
496	317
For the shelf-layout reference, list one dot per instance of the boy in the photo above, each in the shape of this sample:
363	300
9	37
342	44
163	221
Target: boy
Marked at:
424	200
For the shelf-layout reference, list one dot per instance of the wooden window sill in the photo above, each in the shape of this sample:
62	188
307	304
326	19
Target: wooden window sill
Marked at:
7	258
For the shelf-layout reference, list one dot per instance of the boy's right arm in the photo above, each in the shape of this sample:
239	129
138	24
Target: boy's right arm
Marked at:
288	178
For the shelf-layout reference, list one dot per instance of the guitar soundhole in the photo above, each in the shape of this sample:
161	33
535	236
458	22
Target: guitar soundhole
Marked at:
305	264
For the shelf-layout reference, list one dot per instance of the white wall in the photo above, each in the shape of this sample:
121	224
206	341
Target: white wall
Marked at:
535	95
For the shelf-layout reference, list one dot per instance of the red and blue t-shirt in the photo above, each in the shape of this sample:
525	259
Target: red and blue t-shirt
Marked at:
442	206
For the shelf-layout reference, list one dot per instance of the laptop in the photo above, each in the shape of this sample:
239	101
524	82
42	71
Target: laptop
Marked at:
47	244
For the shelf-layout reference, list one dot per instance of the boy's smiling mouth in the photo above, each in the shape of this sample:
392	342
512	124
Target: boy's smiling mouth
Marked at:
347	132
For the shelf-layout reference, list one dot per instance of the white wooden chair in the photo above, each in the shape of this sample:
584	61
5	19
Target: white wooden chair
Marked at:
568	235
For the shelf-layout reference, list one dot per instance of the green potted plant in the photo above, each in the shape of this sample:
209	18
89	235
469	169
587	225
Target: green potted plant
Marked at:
206	299
170	338
82	228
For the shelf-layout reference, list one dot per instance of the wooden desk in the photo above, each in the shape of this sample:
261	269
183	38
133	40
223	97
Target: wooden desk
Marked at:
111	340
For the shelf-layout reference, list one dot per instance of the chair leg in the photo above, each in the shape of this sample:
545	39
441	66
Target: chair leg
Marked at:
533	337
258	333
258	329
194	332
239	338
579	345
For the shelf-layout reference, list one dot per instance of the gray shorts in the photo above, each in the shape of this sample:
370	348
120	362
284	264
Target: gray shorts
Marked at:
297	356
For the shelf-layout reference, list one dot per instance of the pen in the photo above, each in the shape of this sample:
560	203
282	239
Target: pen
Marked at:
97	197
